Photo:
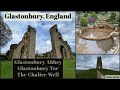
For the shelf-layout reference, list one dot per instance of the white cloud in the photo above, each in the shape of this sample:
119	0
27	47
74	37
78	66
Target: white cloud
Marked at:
48	42
45	46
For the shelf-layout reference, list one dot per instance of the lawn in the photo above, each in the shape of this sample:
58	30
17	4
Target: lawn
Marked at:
6	69
69	69
91	73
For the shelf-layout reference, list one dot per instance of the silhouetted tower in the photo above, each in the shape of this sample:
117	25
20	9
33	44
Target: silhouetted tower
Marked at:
99	63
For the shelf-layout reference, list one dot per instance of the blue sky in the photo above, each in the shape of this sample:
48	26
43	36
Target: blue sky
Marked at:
85	62
43	40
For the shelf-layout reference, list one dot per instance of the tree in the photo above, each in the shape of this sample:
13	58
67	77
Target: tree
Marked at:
5	33
7	53
37	52
83	21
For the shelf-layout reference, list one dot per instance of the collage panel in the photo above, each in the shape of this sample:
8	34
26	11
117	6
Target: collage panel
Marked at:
97	66
37	39
97	44
97	32
88	42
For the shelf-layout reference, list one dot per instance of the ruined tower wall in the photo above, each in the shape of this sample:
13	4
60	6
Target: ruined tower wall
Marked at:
54	40
68	49
55	36
17	50
11	53
58	43
26	47
31	42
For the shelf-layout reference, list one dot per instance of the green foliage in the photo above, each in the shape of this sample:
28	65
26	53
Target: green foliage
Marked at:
5	33
88	11
112	17
93	14
83	21
86	14
103	13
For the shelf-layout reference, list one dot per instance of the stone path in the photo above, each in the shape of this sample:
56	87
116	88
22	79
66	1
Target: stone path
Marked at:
99	75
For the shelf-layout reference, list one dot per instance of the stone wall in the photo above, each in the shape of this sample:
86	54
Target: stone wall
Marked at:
26	47
60	48
116	45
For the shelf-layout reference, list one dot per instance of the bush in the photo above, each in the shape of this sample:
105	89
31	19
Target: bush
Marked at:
91	20
113	16
93	14
86	14
83	21
103	13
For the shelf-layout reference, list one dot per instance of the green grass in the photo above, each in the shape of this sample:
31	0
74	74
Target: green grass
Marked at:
69	69
6	70
91	73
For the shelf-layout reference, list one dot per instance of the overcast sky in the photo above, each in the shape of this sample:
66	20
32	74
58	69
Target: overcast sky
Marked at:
85	62
43	40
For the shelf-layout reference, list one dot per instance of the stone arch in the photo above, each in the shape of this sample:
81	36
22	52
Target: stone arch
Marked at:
65	51
59	46
26	47
24	52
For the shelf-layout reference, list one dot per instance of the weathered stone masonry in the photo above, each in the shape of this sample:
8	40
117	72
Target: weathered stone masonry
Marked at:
26	47
60	48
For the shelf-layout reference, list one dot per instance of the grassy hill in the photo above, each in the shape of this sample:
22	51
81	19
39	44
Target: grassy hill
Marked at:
91	73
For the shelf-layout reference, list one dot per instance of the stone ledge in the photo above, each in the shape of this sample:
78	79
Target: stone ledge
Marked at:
116	46
101	38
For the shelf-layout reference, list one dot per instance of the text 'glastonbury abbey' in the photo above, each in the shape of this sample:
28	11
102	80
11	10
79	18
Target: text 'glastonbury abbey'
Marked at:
37	68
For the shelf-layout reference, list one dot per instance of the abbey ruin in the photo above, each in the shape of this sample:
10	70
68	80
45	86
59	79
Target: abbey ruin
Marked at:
60	48
26	47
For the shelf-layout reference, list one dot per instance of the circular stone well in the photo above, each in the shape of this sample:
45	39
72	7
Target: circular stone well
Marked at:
95	40
96	33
